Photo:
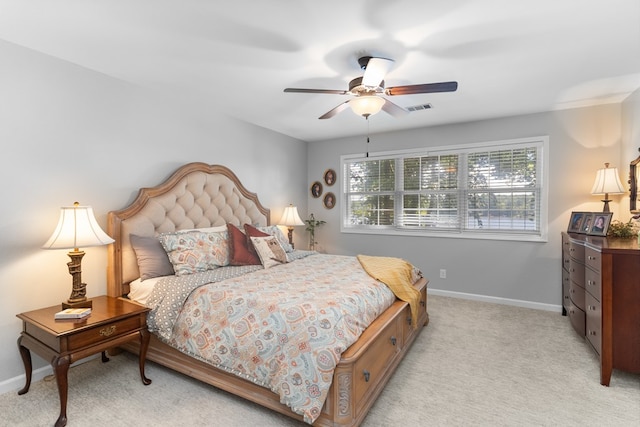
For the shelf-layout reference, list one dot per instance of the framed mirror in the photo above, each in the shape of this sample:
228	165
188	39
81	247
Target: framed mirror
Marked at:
634	171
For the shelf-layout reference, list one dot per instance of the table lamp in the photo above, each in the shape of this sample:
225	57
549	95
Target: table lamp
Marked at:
290	218
607	182
77	227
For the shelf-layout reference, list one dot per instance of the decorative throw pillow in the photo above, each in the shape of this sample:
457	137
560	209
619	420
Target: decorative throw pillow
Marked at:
239	253
194	251
275	231
269	251
251	231
152	258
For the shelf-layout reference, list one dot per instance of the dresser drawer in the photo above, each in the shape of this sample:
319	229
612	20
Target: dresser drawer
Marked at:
565	260
566	284
102	333
594	322
372	365
576	251
576	270
593	283
576	293
577	318
593	259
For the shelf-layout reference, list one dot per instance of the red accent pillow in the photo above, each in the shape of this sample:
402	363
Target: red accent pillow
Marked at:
239	253
251	231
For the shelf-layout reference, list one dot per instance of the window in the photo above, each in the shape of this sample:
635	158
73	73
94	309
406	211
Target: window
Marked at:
492	190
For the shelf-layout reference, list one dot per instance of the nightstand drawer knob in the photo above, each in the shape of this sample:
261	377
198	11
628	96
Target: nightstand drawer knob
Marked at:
108	331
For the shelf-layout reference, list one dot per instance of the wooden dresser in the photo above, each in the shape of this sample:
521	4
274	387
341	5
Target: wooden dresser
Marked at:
601	297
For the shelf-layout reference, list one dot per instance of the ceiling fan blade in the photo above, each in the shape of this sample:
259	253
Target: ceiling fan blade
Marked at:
393	109
330	91
375	71
340	108
424	88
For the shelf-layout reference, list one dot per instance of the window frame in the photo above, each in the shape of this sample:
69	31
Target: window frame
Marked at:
542	174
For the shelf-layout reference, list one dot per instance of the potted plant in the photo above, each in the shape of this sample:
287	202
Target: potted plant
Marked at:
312	224
624	230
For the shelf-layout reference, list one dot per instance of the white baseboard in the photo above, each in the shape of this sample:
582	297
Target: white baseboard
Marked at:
497	300
16	383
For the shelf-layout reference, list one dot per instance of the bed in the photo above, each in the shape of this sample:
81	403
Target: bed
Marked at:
201	198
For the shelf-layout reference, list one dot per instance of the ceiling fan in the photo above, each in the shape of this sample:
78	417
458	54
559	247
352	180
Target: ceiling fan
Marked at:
367	90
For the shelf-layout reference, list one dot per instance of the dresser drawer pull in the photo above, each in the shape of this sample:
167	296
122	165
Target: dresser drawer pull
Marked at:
592	307
592	333
592	258
108	331
393	340
367	375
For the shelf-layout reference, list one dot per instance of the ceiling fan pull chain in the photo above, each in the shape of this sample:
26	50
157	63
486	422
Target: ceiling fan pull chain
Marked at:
367	119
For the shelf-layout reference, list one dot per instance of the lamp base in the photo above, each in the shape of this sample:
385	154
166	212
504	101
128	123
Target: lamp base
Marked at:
290	229
77	304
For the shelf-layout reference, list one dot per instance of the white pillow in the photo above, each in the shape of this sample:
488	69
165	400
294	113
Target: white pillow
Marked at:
275	231
140	290
269	251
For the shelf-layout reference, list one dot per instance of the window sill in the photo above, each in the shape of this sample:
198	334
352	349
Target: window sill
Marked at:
450	235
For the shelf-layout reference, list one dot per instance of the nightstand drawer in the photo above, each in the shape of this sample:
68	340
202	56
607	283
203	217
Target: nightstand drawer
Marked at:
103	332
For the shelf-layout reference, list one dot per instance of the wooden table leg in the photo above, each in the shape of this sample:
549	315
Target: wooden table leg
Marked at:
61	368
144	345
26	360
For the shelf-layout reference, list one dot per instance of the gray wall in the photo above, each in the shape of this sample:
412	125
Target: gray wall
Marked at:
77	135
525	273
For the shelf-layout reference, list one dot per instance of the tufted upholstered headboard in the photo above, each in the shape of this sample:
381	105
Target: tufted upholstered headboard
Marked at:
197	195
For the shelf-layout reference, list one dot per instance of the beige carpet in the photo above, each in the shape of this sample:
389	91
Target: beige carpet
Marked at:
476	364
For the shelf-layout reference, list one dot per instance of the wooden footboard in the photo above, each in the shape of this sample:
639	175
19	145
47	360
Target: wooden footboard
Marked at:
358	379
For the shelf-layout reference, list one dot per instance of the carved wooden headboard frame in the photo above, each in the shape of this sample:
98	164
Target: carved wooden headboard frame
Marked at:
197	195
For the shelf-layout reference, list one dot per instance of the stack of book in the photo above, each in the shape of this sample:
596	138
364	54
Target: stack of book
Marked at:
72	313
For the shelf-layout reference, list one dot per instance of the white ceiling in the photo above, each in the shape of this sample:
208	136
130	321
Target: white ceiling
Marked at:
509	57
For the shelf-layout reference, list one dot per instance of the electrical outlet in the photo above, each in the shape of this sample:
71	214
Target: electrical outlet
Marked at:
443	273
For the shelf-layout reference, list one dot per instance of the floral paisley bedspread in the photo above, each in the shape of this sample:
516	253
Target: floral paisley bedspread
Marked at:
285	327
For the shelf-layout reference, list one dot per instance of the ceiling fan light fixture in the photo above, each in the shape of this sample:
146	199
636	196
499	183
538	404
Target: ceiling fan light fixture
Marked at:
366	105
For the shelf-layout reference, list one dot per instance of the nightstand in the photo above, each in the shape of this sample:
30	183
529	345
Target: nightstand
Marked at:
112	322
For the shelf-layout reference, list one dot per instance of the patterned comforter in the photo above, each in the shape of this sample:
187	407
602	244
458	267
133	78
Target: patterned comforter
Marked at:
283	328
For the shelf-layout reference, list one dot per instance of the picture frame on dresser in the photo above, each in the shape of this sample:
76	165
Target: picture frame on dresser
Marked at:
575	223
587	222
600	224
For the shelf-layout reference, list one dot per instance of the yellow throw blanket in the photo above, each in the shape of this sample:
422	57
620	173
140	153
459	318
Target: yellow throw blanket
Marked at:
396	273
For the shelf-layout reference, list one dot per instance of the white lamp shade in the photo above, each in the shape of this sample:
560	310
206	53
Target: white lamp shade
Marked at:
366	105
607	181
77	227
290	217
